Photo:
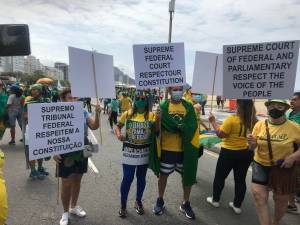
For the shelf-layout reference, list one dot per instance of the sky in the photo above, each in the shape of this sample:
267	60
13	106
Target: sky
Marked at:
113	26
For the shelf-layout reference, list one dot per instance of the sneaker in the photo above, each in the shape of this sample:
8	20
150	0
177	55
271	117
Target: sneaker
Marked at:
159	207
78	211
139	208
123	213
43	171
235	209
187	210
34	174
292	209
212	202
64	219
12	143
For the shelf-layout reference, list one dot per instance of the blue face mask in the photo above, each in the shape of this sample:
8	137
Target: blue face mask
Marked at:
197	98
176	95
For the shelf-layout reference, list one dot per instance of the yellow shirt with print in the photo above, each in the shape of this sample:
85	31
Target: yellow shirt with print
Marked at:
3	196
233	127
125	104
283	137
172	141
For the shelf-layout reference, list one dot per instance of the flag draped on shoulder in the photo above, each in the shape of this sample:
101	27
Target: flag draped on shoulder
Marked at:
188	129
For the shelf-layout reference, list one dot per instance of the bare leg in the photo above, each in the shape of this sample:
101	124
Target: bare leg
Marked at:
162	183
261	194
186	193
281	202
13	133
76	181
66	193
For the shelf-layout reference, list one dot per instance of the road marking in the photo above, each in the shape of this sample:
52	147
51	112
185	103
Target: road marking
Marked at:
92	166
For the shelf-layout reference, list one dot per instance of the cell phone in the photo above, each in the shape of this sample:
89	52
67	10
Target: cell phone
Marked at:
279	162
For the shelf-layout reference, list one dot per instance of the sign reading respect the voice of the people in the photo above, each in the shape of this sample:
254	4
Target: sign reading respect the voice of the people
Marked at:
159	65
55	128
261	70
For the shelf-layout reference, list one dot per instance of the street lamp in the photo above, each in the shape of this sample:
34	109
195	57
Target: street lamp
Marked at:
171	11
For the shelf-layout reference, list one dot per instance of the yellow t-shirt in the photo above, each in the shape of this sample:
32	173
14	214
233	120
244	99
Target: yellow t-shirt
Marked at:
3	196
172	141
236	140
283	137
138	131
125	104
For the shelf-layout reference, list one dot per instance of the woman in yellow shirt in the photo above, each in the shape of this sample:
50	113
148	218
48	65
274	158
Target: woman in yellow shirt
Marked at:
3	197
234	153
278	152
139	124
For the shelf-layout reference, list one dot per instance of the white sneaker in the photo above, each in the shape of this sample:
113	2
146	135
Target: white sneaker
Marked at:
235	209
64	219
78	211
211	201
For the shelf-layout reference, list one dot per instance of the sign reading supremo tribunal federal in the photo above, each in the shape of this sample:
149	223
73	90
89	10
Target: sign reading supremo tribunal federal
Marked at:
159	65
55	128
260	70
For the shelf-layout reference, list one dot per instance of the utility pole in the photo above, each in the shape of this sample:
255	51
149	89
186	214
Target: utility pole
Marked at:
171	11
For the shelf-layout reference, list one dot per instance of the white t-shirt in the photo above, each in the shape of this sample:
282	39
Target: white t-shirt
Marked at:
14	102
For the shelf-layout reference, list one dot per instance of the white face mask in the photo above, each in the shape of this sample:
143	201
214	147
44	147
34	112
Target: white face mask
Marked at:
176	95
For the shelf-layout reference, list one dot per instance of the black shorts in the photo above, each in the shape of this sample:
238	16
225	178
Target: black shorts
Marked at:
260	174
171	161
70	166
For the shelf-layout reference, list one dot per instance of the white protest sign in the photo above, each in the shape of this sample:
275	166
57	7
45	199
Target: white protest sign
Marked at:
261	70
55	128
159	65
204	71
137	155
81	74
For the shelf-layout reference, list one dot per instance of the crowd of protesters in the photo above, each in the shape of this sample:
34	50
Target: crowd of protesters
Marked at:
169	142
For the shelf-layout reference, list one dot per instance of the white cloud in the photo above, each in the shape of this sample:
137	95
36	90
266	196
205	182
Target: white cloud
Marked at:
112	26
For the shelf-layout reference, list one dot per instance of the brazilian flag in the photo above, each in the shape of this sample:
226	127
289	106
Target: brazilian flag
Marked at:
188	128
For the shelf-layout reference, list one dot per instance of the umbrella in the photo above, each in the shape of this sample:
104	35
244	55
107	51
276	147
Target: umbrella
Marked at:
45	80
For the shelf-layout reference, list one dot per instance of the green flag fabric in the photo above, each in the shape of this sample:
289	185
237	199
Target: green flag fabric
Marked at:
294	116
188	128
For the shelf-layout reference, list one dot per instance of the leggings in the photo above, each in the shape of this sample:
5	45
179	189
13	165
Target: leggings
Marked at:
238	161
128	175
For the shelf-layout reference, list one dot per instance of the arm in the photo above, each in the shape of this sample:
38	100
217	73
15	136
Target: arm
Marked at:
290	160
118	132
216	126
93	122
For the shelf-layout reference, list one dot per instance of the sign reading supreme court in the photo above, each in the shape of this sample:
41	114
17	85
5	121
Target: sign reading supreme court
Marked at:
261	70
55	128
159	65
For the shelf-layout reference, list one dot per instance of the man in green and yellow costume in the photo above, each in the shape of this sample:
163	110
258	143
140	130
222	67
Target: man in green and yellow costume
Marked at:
179	148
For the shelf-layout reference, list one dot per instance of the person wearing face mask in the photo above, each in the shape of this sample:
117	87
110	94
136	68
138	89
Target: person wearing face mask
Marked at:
139	124
235	155
179	148
274	161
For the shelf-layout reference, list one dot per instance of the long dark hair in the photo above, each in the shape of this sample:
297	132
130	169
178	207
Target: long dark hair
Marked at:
134	109
247	113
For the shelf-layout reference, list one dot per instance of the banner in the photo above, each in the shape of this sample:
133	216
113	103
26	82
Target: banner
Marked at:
159	65
55	128
81	74
260	70
204	70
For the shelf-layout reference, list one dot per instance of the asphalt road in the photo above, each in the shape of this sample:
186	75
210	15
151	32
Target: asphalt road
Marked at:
35	202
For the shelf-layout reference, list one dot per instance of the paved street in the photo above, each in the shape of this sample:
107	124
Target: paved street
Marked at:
34	202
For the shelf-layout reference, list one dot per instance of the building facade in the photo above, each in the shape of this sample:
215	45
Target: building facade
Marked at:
64	68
